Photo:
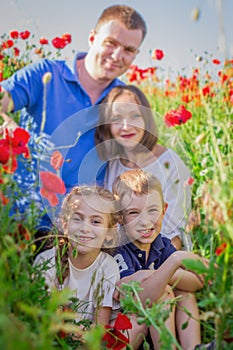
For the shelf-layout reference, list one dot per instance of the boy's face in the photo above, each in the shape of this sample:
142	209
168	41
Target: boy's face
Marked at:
142	217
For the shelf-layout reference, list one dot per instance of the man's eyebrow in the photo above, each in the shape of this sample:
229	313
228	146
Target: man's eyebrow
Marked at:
125	46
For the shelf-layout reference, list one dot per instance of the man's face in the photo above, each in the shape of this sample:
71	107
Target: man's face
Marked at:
112	50
142	217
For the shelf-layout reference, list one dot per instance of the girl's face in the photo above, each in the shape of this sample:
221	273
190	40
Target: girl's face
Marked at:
142	217
88	225
127	124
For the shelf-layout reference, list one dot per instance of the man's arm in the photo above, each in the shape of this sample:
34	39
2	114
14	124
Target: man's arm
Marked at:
6	106
6	102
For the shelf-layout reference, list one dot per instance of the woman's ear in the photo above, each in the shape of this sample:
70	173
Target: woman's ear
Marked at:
64	225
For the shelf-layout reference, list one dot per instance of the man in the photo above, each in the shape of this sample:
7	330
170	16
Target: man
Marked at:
51	108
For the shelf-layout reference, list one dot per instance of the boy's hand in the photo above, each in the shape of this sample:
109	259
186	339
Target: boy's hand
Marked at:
138	276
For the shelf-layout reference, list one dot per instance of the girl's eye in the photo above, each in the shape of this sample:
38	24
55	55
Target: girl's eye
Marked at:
96	221
77	218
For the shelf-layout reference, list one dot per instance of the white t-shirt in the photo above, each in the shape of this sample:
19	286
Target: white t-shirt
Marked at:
93	286
173	174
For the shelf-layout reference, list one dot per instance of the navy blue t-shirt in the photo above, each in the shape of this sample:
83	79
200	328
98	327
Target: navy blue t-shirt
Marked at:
131	259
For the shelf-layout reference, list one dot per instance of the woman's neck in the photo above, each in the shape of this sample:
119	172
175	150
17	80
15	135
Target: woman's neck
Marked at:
134	159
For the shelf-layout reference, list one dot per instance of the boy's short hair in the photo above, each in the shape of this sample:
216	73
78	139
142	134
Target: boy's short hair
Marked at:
135	181
126	15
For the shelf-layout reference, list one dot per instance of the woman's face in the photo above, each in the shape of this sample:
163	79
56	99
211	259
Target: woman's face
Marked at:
127	124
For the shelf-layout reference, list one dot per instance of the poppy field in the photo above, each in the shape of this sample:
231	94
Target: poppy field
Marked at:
194	114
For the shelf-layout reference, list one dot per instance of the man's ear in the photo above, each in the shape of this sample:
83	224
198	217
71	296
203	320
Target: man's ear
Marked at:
91	37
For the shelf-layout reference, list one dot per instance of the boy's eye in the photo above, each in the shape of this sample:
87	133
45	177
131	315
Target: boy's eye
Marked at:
132	212
153	210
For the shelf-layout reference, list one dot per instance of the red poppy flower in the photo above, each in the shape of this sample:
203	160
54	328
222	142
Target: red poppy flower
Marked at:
24	35
7	44
67	38
3	199
44	41
190	181
176	117
113	337
56	160
216	61
16	51
58	43
221	249
14	34
13	144
51	186
157	54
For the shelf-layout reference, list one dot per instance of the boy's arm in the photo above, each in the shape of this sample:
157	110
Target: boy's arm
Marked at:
154	282
186	280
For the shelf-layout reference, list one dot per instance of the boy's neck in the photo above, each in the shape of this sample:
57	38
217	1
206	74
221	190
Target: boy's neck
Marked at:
143	246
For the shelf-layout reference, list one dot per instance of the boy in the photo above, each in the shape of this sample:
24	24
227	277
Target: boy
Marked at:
150	258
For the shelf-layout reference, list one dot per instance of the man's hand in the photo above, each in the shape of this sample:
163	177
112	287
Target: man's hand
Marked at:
9	124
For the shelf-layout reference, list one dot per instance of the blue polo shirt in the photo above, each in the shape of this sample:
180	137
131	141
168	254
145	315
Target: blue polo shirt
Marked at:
131	259
69	126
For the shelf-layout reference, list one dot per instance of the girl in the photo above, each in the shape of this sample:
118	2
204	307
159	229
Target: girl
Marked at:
126	137
88	219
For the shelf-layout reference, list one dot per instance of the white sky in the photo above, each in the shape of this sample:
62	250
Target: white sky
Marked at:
170	27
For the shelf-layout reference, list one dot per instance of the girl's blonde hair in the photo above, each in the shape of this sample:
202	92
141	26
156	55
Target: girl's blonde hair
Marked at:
68	208
111	148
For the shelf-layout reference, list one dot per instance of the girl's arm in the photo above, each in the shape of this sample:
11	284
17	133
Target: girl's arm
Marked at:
103	315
